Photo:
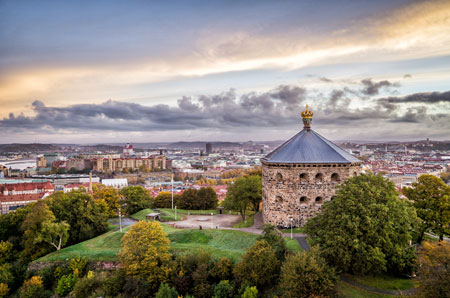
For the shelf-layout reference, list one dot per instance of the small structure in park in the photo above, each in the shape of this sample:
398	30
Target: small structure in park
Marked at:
153	216
302	174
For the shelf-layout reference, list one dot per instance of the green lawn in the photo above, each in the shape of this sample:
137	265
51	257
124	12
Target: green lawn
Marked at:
242	224
348	291
102	248
386	282
292	244
169	214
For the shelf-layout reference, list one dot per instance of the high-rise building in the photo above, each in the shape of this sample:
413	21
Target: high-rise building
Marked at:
208	148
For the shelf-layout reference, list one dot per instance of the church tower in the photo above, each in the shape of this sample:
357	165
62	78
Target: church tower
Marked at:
302	174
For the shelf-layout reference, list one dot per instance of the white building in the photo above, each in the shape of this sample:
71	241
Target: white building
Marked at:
117	183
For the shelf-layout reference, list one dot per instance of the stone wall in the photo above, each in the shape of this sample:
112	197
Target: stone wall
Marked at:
298	191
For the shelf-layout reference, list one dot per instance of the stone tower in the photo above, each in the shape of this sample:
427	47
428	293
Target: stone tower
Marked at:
302	174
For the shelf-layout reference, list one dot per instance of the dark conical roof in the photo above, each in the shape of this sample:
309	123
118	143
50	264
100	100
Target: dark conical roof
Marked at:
309	147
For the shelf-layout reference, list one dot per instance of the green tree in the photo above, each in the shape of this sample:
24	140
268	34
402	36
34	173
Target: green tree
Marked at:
33	288
223	289
164	200
4	290
5	251
34	245
434	270
66	284
244	193
208	198
259	266
445	176
275	238
54	233
306	274
135	198
86	217
189	200
145	253
10	226
431	199
250	292
166	291
366	228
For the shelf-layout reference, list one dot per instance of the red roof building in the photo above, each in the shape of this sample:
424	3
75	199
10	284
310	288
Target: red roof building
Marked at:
15	195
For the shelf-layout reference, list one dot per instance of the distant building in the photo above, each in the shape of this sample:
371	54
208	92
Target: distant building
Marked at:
208	148
20	193
117	183
128	150
156	162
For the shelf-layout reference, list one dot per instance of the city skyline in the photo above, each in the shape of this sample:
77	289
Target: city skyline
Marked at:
81	72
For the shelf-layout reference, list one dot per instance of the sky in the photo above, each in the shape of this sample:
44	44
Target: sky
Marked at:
163	71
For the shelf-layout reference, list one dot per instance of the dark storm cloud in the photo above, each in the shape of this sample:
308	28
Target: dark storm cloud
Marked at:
373	88
427	97
279	107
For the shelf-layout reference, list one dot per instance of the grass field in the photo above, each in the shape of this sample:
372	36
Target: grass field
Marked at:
292	244
169	214
294	230
386	282
349	291
242	224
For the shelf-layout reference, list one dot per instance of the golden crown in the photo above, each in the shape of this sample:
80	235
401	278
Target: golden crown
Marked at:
307	113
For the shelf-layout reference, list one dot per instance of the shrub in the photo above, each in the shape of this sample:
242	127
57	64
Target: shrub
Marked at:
4	290
32	288
250	292
6	275
223	289
137	287
66	284
165	291
77	265
275	238
222	270
258	266
306	274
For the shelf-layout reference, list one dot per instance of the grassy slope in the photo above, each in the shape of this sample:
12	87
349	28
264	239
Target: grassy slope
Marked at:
384	282
349	291
170	214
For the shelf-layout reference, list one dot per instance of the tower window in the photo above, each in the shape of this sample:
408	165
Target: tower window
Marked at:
335	177
319	200
319	177
279	177
303	177
303	200
279	199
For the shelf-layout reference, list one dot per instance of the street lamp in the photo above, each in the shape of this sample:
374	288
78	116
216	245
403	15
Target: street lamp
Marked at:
291	226
175	212
212	221
120	221
172	191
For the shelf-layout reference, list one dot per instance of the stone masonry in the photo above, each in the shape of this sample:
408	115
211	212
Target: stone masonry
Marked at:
298	191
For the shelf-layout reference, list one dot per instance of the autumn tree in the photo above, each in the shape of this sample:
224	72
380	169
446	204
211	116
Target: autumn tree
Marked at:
306	274
110	196
259	266
274	237
145	253
366	228
135	199
431	198
434	270
164	200
244	193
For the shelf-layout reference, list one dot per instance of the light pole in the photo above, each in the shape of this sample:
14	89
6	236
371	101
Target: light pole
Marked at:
172	191
212	221
120	221
291	226
175	212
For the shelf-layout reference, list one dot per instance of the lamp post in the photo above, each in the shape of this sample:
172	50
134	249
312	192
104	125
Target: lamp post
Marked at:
172	191
175	212
212	221
120	221
291	226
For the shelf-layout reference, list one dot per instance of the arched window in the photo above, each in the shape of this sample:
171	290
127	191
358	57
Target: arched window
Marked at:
279	199
303	200
319	200
319	177
335	177
304	177
279	177
355	174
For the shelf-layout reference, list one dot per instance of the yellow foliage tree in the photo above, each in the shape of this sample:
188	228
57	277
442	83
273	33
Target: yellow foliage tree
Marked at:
145	253
4	290
108	195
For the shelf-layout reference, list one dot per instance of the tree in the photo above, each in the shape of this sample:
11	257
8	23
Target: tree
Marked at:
166	291
208	198
250	292
66	284
4	290
445	176
32	288
32	226
54	233
259	266
189	200
306	274
5	251
86	217
223	289
135	198
275	239
434	270
366	228
164	200
243	193
145	253
108	195
431	199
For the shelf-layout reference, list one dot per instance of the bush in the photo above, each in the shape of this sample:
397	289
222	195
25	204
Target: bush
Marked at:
275	238
165	291
4	290
250	292
222	270
223	289
66	284
306	274
88	285
77	265
137	287
33	288
259	266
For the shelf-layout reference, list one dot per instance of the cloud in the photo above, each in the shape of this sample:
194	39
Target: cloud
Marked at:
426	97
373	88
